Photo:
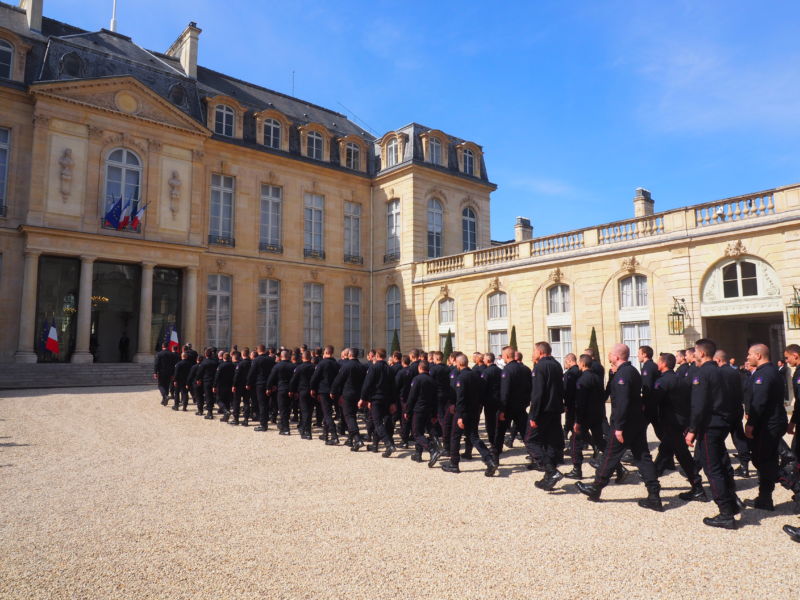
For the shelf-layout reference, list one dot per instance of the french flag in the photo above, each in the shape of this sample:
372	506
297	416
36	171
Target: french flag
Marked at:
52	339
137	218
173	340
125	218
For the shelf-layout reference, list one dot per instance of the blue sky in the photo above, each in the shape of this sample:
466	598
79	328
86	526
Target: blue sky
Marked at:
576	104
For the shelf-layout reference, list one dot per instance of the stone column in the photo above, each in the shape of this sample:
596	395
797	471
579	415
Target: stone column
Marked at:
190	307
82	354
145	353
27	313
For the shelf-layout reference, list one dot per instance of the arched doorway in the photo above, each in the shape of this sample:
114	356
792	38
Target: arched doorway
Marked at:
741	305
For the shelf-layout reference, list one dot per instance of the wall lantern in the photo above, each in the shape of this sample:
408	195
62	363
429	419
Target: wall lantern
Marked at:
676	318
793	310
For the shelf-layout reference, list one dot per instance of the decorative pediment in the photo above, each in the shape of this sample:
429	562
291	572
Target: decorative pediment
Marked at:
630	264
556	275
123	96
735	249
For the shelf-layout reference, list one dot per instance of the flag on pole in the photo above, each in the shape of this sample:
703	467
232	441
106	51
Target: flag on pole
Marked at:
173	340
137	218
41	346
125	217
52	339
114	213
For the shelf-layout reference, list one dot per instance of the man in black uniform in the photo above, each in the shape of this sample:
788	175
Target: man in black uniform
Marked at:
163	369
378	392
650	374
402	383
445	400
346	389
492	375
766	422
223	385
734	390
544	438
321	381
589	414
180	377
197	390
278	388
260	372
571	374
300	386
422	403
467	407
672	396
792	355
515	395
239	387
711	418
205	377
628	430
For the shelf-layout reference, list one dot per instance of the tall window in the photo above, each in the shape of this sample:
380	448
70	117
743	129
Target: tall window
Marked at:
561	342
271	210
5	143
739	279
312	314
392	314
221	218
6	56
497	341
313	213
218	311
443	341
272	134
393	229
447	311
558	300
223	120
391	153
268	313
469	162
635	335
352	317
123	177
314	145
352	231
435	150
633	292
435	218
352	156
498	306
469	230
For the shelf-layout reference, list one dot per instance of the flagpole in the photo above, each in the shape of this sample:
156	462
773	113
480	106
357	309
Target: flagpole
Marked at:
113	26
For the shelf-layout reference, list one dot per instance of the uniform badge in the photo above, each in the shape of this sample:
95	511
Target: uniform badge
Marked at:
644	373
696	381
621	381
759	380
458	384
658	385
504	374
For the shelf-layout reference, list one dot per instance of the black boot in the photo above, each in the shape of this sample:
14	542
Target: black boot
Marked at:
491	467
164	401
436	454
653	501
697	493
743	469
764	503
591	490
389	450
357	444
416	457
225	418
450	468
549	481
576	473
622	473
722	521
373	447
175	407
333	440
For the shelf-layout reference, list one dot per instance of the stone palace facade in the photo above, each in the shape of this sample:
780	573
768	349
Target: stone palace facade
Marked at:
249	216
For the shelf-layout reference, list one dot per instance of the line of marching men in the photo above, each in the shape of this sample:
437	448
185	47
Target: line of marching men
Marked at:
694	399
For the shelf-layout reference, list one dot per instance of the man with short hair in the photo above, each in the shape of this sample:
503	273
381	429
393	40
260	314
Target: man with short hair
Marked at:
321	381
261	369
278	385
492	376
544	438
445	400
346	389
378	392
402	384
163	369
223	384
589	414
792	355
628	430
180	377
239	389
515	395
421	408
300	387
571	374
734	391
205	376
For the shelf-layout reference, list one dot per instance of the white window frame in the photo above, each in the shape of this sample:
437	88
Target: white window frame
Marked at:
635	334
435	216
352	156
393	227
220	219
218	320
393	309
314	223
391	152
268	311
352	229
129	182
435	151
5	154
498	339
271	217
352	317
497	306
315	149
447	312
737	265
224	120
469	229
558	299
561	346
469	162
635	295
272	133
313	296
5	46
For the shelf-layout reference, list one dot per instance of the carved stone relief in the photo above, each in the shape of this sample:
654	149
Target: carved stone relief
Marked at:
175	184
66	164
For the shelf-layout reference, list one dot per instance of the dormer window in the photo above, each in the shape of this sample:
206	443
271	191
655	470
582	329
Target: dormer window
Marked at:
469	162
391	152
272	134
435	151
352	156
314	145
6	59
223	120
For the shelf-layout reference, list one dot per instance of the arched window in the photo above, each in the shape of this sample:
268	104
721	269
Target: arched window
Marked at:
391	153
392	314
633	292
352	156
498	306
71	65
314	145
435	218
6	59
392	230
272	134
558	299
123	183
447	311
469	230
435	151
223	120
739	279
469	162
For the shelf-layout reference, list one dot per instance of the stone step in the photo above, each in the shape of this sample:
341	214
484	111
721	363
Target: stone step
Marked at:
50	375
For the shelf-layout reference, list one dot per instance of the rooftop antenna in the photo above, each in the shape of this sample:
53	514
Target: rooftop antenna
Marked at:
113	26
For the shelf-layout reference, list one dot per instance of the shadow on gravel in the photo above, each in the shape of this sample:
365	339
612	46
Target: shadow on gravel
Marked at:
11	445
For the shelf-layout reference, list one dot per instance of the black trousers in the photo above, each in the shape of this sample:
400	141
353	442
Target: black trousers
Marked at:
546	440
421	424
515	415
470	431
446	418
405	424
208	395
263	404
473	423
764	451
673	443
306	411
236	407
714	457
284	404
181	395
379	410
349	410
163	385
590	433
326	406
636	442
741	442
225	399
199	396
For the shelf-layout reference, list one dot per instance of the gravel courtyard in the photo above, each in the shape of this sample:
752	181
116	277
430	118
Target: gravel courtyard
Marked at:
106	494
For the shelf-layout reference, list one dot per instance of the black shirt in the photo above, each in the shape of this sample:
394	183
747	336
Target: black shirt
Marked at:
547	388
767	411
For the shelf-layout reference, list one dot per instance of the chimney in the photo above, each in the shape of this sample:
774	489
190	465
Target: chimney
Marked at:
642	203
185	49
33	9
523	229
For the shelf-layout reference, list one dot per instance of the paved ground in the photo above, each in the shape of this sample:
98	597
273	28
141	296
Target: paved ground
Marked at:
106	494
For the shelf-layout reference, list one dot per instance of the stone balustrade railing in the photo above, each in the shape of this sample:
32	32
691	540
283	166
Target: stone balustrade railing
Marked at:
721	213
